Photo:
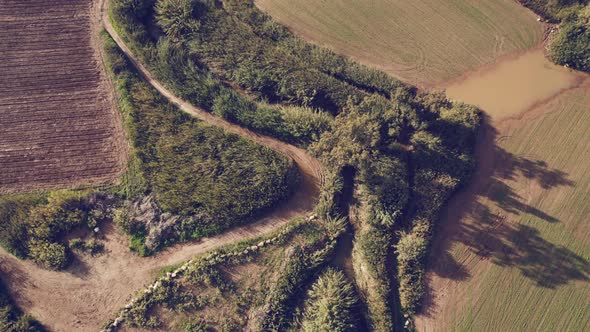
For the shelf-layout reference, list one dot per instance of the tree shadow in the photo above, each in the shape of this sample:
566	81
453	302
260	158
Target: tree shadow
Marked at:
483	217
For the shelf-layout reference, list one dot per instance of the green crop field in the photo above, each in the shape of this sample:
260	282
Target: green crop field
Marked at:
555	295
425	42
523	245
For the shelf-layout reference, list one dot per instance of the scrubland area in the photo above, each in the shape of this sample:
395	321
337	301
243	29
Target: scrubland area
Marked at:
275	183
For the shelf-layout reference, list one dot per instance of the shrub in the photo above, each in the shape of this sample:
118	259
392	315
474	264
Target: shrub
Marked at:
32	225
331	304
176	17
91	246
53	256
571	47
302	265
193	325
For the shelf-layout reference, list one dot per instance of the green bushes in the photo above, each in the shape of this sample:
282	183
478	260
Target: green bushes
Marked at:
554	10
92	246
209	179
176	17
411	252
442	162
331	304
302	265
571	47
409	150
33	224
49	255
371	254
400	185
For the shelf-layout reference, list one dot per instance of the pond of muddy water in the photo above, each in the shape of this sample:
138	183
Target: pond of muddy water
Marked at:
513	85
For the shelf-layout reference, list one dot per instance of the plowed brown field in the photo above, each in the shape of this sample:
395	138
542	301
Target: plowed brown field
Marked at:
57	123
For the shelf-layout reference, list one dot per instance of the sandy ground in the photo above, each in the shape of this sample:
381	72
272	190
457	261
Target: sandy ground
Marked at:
95	288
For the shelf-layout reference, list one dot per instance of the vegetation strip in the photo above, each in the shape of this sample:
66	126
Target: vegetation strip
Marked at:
212	258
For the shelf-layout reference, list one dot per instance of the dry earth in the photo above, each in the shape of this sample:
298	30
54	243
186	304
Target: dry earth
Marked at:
58	126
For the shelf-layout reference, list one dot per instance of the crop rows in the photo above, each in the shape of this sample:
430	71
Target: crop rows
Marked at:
57	124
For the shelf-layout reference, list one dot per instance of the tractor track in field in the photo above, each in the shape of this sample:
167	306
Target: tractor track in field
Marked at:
93	289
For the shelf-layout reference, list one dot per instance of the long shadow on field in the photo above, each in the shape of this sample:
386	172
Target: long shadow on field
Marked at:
484	217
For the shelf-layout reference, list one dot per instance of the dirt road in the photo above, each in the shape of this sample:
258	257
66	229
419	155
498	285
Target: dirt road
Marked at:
95	288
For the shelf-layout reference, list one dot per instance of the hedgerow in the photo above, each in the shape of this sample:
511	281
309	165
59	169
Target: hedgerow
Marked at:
409	150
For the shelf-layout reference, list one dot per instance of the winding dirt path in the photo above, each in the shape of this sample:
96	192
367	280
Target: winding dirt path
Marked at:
95	288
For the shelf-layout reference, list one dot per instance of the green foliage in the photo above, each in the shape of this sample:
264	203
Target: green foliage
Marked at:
411	251
192	168
374	250
176	17
32	225
409	150
305	124
193	325
571	47
92	246
331	304
12	319
554	10
49	255
303	263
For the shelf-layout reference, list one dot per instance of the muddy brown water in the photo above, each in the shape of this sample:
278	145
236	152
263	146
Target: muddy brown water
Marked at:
513	85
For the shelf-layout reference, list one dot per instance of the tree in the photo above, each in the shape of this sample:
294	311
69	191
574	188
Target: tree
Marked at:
49	255
176	17
331	304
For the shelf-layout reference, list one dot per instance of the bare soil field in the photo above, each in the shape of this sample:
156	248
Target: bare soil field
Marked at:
58	127
424	42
